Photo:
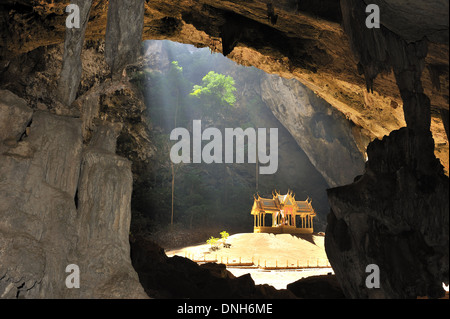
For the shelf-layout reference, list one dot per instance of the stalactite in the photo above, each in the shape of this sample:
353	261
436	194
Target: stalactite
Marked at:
70	76
435	71
123	34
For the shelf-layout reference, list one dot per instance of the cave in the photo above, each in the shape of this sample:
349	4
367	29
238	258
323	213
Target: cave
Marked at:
364	112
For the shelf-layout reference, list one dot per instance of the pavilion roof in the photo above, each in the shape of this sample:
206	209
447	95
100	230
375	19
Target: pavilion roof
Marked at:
304	207
267	204
278	201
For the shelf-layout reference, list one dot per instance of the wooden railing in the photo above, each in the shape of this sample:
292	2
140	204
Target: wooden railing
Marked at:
262	263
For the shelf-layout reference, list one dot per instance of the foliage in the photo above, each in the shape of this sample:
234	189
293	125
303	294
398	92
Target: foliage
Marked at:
214	242
224	235
216	87
176	68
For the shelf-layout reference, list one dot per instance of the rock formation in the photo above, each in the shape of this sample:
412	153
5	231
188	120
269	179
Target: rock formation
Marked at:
396	215
324	134
317	287
123	33
56	212
73	44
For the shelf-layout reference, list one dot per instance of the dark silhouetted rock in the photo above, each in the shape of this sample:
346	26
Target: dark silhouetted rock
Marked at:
178	277
396	215
317	287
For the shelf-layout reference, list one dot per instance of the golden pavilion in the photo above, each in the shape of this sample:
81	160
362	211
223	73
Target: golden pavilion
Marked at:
287	216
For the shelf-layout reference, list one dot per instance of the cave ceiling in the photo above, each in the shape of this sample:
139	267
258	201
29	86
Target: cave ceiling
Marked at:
295	39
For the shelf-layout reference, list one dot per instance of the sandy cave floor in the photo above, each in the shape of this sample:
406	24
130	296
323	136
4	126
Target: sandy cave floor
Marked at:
301	254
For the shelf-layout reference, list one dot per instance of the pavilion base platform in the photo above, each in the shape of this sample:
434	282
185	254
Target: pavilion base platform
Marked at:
282	230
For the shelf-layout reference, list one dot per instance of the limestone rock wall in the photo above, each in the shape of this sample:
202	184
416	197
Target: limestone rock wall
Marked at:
123	33
396	215
71	70
333	144
56	211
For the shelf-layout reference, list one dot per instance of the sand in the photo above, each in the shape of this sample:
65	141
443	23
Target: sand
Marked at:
267	251
263	249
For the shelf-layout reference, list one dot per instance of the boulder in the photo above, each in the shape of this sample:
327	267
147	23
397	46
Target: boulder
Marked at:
15	115
317	287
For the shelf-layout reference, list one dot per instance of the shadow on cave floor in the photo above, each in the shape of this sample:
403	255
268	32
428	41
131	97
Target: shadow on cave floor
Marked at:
307	237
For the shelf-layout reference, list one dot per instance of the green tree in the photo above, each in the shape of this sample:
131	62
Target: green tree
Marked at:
216	88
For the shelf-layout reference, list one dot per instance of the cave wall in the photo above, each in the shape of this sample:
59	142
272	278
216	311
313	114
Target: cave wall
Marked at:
55	209
396	215
66	195
333	144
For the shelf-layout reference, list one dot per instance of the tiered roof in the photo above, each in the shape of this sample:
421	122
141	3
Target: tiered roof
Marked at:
278	202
